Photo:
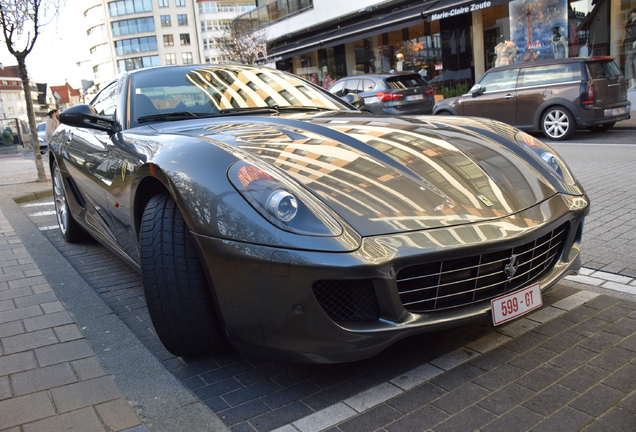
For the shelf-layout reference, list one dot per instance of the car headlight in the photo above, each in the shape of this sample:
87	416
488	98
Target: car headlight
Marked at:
547	156
281	202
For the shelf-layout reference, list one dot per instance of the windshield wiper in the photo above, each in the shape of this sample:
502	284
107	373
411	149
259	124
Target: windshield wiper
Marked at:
303	108
272	109
179	115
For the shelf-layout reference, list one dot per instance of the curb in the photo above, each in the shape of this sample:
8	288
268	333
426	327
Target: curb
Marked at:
32	196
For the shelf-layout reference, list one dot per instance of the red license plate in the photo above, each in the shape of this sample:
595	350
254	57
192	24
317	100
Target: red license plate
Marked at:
513	305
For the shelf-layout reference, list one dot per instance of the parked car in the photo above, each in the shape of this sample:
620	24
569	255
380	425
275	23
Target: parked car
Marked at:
554	96
389	94
41	128
265	212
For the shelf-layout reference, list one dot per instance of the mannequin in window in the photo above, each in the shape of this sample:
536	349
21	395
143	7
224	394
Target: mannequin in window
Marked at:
559	44
629	44
505	51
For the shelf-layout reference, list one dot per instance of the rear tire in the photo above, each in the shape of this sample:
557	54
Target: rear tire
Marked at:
70	229
176	289
558	123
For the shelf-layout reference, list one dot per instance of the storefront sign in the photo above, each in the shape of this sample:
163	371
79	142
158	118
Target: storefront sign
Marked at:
442	12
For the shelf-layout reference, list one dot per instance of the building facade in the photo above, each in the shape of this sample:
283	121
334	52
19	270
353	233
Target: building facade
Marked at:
449	42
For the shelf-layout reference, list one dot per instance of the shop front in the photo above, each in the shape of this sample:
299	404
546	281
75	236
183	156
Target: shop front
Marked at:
451	43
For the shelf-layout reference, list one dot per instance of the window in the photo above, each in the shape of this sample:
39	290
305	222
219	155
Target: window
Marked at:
165	21
215	25
139	25
20	110
101	48
164	3
533	76
97	30
131	46
124	7
187	58
351	86
168	40
171	59
8	95
185	38
180	3
498	81
10	110
182	19
137	63
105	102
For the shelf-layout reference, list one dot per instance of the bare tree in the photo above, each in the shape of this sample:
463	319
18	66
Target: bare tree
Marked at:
21	23
243	42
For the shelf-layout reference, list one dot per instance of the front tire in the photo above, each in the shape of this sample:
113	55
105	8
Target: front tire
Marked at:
558	124
176	289
70	229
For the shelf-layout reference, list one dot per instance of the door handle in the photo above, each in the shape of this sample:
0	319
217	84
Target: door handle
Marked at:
509	96
614	85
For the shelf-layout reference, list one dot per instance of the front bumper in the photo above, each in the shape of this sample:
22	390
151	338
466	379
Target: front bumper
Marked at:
266	299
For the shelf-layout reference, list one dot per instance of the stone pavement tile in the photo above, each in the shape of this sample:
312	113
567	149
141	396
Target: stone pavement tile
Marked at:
277	417
572	358
505	399
25	409
68	332
85	419
84	393
493	359
29	341
551	399
88	368
35	299
615	420
624	327
629	403
419	420
416	398
602	302
42	379
579	314
520	418
5	388
63	352
371	420
499	377
623	379
613	313
460	398
525	342
589	327
533	358
14	363
19	314
541	377
583	378
457	376
629	343
11	329
471	419
597	400
564	420
554	327
48	320
562	341
613	358
117	415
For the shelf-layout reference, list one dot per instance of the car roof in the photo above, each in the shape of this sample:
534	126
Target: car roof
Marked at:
550	62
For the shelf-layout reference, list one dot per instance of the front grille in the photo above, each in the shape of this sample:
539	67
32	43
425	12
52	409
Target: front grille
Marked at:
448	284
348	300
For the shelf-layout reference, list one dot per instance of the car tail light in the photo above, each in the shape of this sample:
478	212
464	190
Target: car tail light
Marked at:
430	91
388	96
589	95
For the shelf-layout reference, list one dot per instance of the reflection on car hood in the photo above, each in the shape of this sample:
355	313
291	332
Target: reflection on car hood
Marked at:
387	175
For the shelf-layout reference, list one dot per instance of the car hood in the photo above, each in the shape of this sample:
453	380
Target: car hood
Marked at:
386	175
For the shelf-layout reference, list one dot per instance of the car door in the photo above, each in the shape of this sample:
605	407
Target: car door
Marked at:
497	98
89	164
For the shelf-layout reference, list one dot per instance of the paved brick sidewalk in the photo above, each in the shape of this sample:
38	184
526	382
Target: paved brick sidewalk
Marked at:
50	378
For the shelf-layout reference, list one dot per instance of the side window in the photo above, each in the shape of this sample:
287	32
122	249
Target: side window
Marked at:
499	81
367	85
534	76
337	89
351	86
106	101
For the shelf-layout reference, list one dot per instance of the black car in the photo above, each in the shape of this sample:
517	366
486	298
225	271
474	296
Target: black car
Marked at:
388	93
264	212
554	96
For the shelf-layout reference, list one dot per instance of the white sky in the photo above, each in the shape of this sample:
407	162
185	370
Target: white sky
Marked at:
60	45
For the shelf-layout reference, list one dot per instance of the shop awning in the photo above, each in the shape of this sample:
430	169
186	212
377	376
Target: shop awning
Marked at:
383	24
449	8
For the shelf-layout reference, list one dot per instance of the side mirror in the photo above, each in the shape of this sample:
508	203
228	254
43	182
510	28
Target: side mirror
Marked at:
354	100
85	116
476	90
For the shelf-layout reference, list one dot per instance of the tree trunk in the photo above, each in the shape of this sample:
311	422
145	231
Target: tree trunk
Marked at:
29	106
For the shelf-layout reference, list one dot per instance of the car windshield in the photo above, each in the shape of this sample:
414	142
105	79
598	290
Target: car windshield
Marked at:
181	93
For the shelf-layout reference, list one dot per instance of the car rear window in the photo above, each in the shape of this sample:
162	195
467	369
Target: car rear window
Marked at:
400	82
603	69
542	75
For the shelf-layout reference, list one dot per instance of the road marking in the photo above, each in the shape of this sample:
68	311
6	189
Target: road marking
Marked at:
39	204
42	213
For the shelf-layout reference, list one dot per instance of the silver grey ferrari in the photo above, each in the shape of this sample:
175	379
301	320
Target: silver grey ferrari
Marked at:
268	215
